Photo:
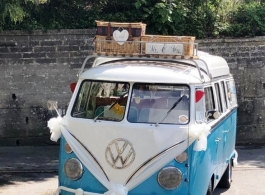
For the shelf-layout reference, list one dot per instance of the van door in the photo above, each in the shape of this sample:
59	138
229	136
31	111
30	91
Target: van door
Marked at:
219	138
230	131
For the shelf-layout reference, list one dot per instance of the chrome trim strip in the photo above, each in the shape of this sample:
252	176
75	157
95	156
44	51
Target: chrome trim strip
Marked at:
221	119
92	157
152	158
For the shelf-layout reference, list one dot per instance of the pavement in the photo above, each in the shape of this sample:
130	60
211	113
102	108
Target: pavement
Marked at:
251	156
44	159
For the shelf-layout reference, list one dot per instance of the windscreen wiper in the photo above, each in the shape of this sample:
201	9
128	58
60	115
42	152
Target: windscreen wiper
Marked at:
173	106
113	104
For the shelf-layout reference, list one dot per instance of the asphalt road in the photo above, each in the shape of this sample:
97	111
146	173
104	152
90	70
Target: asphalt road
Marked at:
32	171
246	181
28	183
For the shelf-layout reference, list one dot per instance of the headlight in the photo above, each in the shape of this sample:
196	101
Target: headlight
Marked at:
169	178
182	157
67	148
73	169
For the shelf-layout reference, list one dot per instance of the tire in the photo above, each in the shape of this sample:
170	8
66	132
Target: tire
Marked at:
210	188
226	179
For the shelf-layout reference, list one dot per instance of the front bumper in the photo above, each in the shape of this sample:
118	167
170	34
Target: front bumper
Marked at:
78	191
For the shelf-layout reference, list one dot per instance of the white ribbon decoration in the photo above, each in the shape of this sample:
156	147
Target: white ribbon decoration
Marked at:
94	168
156	164
117	189
55	128
200	132
86	158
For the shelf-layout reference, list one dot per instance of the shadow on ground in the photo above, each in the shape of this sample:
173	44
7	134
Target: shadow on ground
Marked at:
27	164
219	191
14	178
251	156
29	159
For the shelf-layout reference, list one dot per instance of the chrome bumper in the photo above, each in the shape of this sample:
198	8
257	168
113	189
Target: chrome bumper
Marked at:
78	191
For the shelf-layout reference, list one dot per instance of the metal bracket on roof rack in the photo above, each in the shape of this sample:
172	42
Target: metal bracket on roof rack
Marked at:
208	71
199	70
84	64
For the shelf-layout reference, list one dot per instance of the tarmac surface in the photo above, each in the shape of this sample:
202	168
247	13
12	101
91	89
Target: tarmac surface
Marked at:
29	159
32	170
44	159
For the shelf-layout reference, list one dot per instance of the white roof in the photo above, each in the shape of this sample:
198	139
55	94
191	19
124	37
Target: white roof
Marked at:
160	71
141	71
217	65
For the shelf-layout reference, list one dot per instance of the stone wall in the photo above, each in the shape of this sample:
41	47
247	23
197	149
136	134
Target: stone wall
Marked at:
246	59
39	66
36	68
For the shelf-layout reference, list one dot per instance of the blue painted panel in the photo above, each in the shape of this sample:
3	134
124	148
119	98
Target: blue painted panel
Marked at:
230	136
89	183
202	165
212	161
151	186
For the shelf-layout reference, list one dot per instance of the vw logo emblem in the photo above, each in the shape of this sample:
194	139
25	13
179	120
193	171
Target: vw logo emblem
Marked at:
120	153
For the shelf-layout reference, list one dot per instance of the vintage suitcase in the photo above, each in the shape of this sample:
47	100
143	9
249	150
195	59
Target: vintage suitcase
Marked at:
175	45
118	38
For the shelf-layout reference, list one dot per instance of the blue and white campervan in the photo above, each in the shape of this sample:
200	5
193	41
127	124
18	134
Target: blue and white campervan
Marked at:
148	125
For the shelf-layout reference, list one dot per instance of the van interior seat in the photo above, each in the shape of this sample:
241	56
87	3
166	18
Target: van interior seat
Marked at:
103	111
133	114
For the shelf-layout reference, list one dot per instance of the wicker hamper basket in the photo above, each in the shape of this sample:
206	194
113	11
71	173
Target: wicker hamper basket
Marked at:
187	41
105	42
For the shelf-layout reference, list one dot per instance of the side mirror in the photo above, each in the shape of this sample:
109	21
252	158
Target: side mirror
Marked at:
212	114
52	105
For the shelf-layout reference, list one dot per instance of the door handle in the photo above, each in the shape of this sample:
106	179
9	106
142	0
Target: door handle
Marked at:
226	131
217	139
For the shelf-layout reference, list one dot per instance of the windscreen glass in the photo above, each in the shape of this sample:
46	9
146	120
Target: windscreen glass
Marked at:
158	103
101	100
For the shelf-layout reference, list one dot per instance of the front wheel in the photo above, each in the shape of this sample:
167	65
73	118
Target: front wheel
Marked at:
226	179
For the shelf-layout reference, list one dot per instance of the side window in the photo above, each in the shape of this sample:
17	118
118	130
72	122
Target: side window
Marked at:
82	98
231	93
224	95
199	106
218	96
209	100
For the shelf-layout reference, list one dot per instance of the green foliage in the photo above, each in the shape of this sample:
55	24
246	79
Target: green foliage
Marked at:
200	18
13	11
55	14
247	20
180	17
117	10
160	16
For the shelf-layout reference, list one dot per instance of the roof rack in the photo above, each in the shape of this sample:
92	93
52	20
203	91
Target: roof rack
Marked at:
146	51
171	50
